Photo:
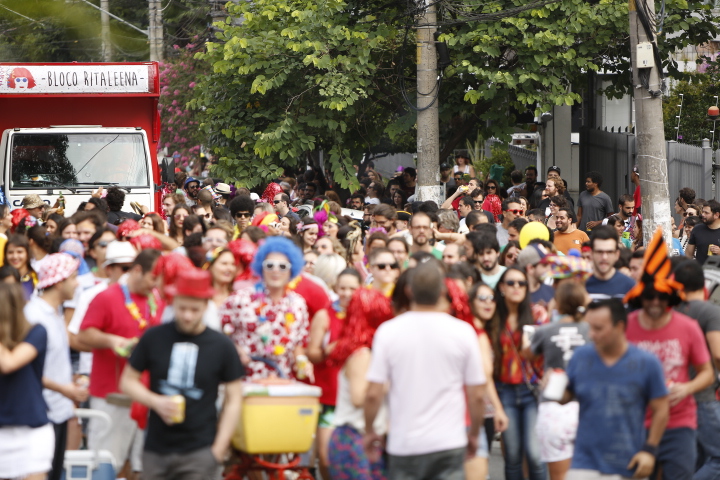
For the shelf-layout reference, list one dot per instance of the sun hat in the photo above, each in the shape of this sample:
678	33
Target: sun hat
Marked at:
222	188
119	252
192	282
32	201
55	268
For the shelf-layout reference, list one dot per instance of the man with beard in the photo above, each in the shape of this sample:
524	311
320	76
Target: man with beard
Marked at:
594	205
606	281
567	236
421	229
485	255
678	342
192	187
705	237
531	174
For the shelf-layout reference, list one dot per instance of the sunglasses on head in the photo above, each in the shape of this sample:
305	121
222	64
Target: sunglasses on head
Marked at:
513	283
270	265
243	214
385	266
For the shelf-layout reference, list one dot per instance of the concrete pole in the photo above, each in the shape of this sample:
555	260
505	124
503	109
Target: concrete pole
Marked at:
155	30
428	130
105	30
650	137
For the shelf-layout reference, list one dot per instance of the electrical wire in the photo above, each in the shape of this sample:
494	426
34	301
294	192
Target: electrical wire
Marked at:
23	16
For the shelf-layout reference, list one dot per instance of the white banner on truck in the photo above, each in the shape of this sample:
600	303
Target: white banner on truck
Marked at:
31	79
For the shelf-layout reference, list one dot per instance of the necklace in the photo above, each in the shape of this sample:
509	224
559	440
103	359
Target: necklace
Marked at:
135	311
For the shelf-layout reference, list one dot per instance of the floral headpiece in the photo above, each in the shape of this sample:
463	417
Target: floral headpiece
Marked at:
323	214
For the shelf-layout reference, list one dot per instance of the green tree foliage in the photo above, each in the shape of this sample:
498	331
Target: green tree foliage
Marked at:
698	93
69	30
290	77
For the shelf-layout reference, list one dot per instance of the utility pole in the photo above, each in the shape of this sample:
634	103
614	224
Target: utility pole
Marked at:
649	131
105	29
428	91
155	30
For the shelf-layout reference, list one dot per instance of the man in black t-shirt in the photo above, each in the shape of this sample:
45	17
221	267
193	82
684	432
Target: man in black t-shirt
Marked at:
186	359
705	238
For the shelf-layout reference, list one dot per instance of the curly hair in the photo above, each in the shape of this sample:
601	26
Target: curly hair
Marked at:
367	310
278	245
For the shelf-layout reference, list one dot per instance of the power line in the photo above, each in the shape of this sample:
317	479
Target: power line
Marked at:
23	16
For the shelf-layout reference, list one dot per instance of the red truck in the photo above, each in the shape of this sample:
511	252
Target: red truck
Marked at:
72	127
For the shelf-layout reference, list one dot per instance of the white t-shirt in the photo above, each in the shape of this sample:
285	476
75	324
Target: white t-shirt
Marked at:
57	365
427	358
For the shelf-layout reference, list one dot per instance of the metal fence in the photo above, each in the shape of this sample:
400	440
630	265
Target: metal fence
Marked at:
613	155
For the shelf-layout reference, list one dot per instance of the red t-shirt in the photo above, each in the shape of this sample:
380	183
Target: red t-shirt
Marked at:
326	376
314	294
678	345
108	313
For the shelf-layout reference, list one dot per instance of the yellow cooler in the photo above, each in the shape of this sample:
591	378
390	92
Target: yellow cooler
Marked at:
277	418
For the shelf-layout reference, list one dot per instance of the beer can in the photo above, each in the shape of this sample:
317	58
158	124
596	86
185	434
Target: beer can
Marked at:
82	381
179	401
556	385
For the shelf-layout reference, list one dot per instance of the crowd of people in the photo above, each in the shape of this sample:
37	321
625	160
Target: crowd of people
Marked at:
509	310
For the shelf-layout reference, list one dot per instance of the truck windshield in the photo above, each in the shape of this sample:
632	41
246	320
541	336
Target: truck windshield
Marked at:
58	159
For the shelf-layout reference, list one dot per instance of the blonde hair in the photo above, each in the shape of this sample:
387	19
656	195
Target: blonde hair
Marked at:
328	267
14	327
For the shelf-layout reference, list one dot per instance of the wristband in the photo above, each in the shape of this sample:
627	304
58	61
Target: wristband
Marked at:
651	449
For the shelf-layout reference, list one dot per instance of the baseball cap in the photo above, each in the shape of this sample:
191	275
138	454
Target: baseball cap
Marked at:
554	168
531	255
445	166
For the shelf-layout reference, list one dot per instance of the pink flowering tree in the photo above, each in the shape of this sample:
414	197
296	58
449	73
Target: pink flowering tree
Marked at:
180	134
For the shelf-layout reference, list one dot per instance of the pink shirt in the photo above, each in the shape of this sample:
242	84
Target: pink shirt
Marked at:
678	345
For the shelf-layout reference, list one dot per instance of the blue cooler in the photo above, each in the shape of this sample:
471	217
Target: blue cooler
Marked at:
89	464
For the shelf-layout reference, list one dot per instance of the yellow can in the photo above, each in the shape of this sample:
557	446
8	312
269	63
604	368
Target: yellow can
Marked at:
179	400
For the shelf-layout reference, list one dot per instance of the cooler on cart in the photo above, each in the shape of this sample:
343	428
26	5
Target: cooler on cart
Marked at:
277	418
90	464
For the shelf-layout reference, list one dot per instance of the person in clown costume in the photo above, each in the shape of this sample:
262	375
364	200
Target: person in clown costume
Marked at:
268	319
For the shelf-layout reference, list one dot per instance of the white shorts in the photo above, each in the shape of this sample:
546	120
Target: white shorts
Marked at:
125	440
26	450
556	429
577	474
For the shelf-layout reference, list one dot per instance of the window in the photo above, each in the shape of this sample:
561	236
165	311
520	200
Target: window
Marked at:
53	159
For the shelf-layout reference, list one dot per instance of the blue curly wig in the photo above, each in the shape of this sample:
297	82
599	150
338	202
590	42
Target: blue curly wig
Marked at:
278	245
